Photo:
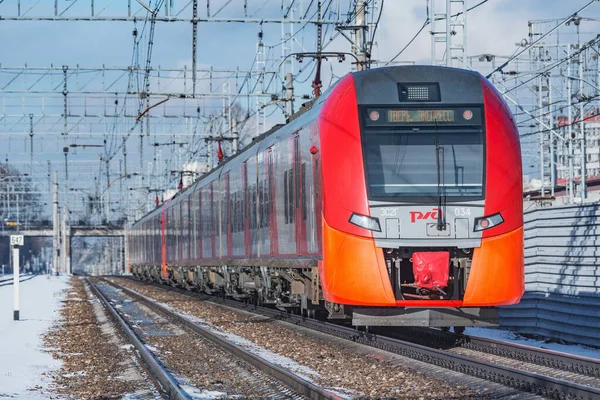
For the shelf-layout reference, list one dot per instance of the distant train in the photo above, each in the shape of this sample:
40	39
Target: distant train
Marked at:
395	198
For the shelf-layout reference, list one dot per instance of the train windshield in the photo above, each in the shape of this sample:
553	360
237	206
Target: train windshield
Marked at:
403	163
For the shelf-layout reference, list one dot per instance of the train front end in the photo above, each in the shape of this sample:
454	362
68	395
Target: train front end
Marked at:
422	213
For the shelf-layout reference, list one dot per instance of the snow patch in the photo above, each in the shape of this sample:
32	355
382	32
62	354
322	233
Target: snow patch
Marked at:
515	337
76	373
152	348
343	392
24	363
196	393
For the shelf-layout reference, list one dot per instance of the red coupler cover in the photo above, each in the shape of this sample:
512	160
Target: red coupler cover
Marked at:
431	269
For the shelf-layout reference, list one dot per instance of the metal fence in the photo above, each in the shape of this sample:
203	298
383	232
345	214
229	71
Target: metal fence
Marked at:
562	275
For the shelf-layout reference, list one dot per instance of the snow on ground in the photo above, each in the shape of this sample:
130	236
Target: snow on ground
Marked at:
514	337
196	393
22	360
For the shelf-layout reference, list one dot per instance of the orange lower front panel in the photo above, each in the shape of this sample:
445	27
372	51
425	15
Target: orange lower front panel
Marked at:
497	276
353	271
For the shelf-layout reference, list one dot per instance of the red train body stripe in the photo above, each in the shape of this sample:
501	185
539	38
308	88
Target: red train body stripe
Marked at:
163	240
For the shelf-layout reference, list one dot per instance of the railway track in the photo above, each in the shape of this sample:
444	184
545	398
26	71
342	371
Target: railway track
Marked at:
168	384
9	281
288	384
566	363
536	371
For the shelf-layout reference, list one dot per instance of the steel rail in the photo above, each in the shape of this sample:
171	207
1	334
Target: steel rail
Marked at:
169	384
544	357
522	380
293	381
22	278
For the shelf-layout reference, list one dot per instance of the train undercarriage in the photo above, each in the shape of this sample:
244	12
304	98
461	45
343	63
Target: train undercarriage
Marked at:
297	290
290	289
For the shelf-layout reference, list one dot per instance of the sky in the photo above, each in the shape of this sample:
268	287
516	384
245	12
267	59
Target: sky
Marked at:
495	27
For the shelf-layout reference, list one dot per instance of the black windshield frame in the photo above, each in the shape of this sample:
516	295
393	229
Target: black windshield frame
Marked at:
425	128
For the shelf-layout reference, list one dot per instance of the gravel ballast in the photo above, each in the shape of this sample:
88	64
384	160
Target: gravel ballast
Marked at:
338	363
203	369
96	361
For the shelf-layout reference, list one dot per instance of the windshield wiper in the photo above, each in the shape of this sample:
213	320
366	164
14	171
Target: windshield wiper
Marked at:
441	181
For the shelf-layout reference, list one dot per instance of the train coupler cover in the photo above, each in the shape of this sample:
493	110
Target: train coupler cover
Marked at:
431	269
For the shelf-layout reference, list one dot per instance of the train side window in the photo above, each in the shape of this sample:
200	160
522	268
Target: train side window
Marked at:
225	205
264	205
240	218
261	199
285	196
252	205
304	191
230	214
267	202
241	205
234	214
291	196
201	214
317	178
271	188
245	190
255	205
297	168
214	210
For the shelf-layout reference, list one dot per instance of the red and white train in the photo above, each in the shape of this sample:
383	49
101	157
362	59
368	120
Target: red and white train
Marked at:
393	199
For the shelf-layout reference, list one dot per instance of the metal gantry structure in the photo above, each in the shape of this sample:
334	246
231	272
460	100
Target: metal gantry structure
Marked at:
89	106
448	31
121	136
564	86
552	83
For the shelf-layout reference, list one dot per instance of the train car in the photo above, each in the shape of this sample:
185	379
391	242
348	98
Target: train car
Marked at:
395	198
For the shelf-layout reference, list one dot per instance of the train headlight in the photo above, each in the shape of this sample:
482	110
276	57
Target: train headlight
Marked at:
483	223
363	221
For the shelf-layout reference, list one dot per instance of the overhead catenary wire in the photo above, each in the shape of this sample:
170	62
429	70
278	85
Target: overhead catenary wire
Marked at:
141	78
426	23
576	119
375	28
526	48
584	47
146	77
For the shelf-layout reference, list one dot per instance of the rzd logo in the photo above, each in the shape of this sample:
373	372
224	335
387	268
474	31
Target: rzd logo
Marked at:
418	215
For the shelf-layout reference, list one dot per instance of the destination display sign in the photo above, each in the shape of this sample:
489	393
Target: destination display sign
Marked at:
422	116
418	116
